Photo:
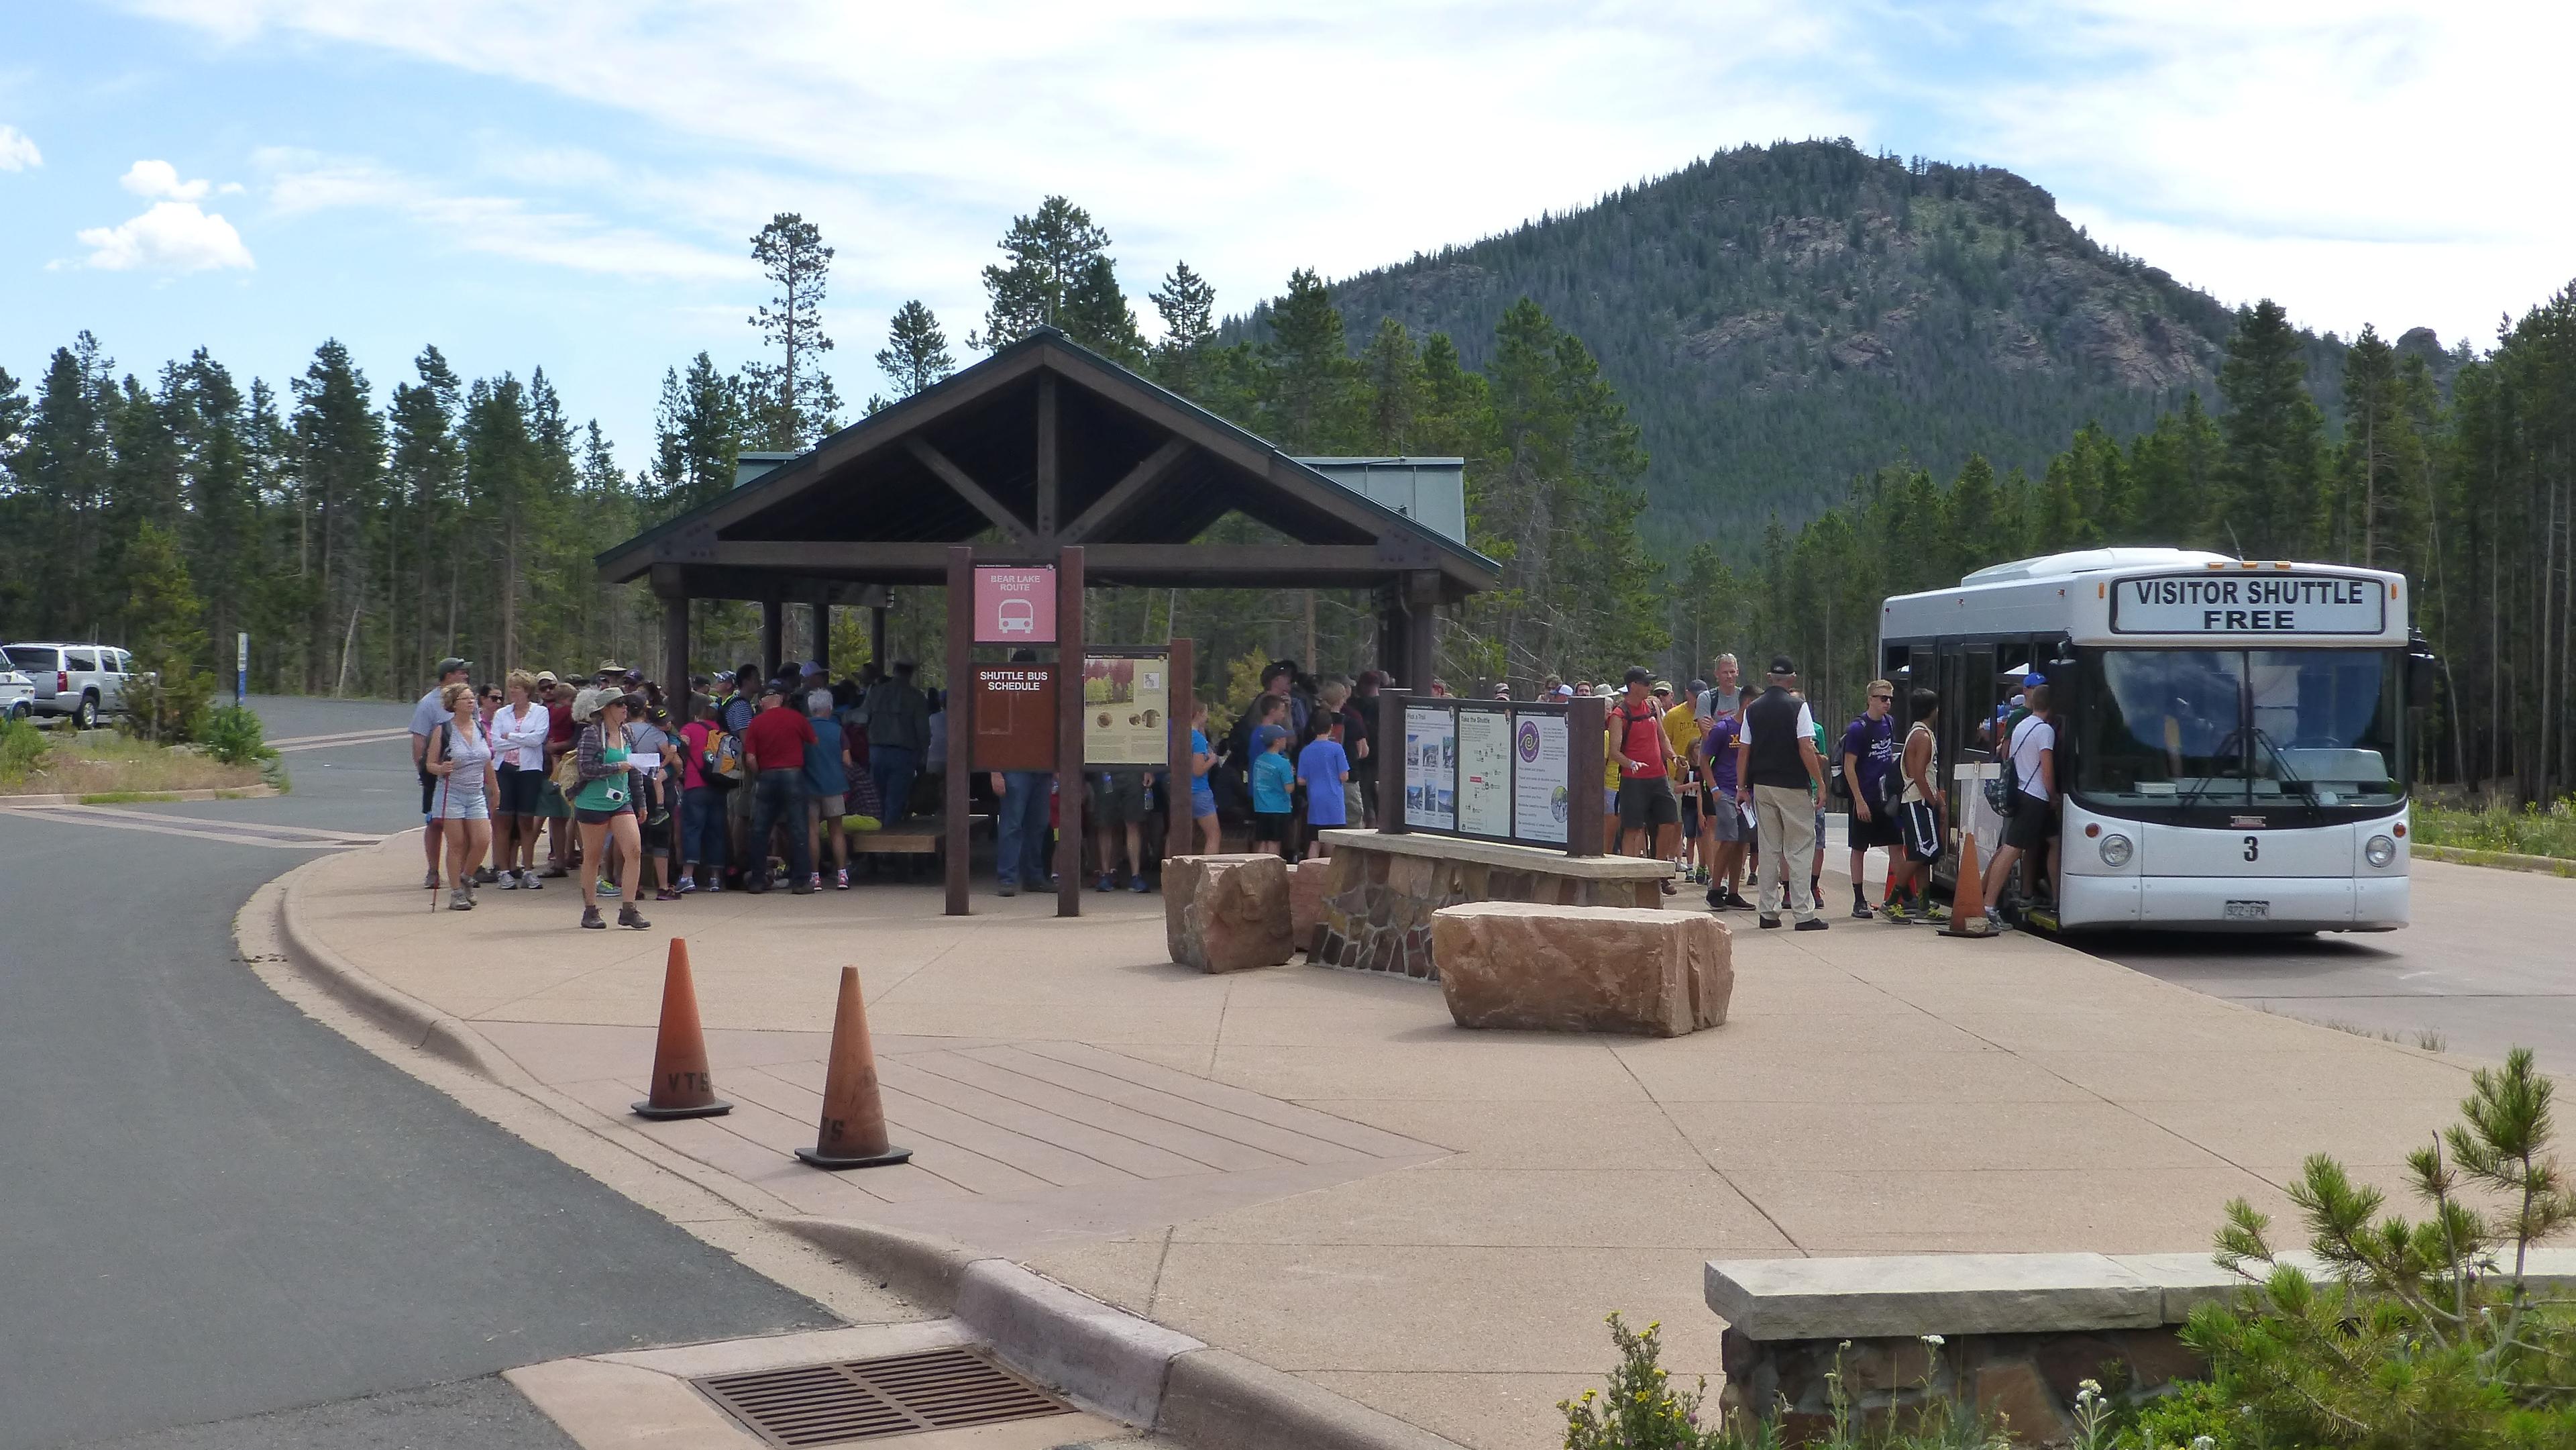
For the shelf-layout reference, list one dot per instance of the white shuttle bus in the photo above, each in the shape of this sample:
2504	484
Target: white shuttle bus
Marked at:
2233	741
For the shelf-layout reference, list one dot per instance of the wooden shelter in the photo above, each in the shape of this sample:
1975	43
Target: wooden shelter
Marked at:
1043	453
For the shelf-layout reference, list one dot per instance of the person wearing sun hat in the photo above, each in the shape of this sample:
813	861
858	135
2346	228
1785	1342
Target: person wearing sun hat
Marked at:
426	716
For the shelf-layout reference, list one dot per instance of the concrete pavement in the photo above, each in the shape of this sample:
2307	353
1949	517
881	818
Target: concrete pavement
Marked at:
1316	1169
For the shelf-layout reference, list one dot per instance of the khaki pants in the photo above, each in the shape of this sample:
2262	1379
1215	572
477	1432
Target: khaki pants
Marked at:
1785	818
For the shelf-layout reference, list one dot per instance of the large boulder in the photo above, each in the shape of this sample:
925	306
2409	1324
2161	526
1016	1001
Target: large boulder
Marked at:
1582	968
1306	901
1227	913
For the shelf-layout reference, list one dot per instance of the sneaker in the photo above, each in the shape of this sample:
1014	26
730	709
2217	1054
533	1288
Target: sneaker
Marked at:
1735	902
606	891
553	872
1010	888
713	887
1108	882
1716	899
429	882
666	894
1770	923
1814	923
590	919
484	877
458	900
1893	913
688	884
509	880
1860	908
1995	925
841	879
814	880
1140	888
528	882
628	916
1667	885
800	889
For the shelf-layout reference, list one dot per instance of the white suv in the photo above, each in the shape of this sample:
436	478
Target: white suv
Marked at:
77	681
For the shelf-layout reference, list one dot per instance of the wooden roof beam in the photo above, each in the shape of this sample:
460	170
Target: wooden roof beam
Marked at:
1143	476
971	491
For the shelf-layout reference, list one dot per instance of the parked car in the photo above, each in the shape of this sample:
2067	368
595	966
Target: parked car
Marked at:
17	695
77	682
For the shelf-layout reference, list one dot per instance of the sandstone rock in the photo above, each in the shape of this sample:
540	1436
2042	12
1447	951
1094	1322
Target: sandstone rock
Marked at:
2014	1391
1306	901
1226	913
1582	969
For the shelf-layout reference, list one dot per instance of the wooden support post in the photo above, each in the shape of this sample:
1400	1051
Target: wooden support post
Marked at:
1391	641
1068	733
959	682
1389	753
1586	751
675	653
1180	701
877	638
1049	469
773	636
822	631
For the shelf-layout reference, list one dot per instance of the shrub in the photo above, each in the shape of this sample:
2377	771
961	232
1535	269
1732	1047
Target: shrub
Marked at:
2424	1333
22	750
233	736
2533	830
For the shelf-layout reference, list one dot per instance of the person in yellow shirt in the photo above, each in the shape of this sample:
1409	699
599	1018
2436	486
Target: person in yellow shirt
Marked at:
1682	728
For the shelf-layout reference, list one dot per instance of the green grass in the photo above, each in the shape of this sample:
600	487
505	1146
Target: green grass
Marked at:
126	797
2533	830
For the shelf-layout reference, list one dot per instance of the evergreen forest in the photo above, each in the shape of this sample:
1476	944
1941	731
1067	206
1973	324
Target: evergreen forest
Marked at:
1945	377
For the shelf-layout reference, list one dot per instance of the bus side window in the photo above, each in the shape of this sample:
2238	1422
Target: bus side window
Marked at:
1977	705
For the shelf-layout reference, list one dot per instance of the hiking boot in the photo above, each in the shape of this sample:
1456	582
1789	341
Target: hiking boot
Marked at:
460	900
1814	923
628	916
590	919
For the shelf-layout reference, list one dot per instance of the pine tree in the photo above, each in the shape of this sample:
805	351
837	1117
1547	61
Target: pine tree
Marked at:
1096	315
1390	374
916	351
1187	306
1050	252
2373	428
339	461
697	431
163	630
792	400
1314	396
2275	438
1972	519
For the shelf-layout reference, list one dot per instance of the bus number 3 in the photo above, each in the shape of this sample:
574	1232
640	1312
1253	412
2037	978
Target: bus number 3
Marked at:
2253	848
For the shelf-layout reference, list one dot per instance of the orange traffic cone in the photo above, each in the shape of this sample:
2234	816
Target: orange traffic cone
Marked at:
1968	902
853	1130
682	1085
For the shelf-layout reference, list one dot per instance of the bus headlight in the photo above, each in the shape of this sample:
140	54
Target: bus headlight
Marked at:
2115	850
2380	850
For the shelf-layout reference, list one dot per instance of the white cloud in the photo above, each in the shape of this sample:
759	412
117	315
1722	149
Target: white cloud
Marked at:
161	179
495	225
174	236
17	151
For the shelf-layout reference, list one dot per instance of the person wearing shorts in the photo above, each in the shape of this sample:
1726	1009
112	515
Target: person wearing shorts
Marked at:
457	757
1118	805
1202	794
1646	802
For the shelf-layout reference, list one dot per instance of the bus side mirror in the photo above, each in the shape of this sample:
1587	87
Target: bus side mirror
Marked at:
2421	665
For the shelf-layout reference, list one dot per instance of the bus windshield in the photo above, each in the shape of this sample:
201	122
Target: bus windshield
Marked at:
2183	728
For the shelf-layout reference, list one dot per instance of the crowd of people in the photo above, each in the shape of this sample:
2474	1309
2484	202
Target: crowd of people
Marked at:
751	782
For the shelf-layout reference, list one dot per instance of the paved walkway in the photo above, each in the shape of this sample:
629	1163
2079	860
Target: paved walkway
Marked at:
1317	1169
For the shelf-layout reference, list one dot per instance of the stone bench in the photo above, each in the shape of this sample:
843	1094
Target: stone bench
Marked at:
2020	1331
1227	913
1583	968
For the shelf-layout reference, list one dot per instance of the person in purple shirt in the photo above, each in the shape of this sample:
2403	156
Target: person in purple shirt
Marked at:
1325	768
1724	819
1868	757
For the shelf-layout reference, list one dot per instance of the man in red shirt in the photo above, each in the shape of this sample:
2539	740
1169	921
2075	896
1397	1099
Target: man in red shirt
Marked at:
773	747
1647	805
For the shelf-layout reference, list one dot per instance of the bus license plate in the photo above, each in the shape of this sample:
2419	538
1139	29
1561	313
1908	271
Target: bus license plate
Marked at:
2249	911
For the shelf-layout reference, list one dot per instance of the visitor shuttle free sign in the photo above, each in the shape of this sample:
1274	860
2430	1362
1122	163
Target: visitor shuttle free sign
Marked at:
2248	604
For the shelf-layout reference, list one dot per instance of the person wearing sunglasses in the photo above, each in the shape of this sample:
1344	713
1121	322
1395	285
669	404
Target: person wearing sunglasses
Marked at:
1869	772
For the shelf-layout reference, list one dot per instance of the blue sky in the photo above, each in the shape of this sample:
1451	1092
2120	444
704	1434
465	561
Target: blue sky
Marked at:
572	185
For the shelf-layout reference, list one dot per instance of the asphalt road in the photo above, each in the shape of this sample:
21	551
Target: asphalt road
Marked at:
2485	966
224	1225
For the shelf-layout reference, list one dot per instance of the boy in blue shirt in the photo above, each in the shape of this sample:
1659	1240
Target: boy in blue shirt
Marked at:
1274	780
1325	769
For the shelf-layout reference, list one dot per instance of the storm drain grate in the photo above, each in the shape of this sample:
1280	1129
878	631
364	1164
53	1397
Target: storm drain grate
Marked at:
869	1399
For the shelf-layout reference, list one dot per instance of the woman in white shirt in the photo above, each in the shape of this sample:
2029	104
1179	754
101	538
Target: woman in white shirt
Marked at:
2031	762
519	764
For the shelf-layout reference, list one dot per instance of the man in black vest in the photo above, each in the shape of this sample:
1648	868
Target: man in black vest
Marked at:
1779	771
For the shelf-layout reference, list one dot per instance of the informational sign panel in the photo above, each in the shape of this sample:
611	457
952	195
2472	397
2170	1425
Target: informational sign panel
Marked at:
2226	603
1485	772
1014	717
1540	790
1125	700
1014	604
1431	767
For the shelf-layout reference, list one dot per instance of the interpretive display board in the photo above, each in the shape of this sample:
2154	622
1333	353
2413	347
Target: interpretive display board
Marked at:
1431	767
1485	771
1125	707
1541	798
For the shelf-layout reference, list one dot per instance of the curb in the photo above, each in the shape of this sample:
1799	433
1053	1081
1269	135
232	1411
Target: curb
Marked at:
258	792
1105	1359
404	1016
2499	860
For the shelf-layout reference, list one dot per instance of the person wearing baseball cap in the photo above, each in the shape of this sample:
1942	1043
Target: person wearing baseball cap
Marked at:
426	716
1781	772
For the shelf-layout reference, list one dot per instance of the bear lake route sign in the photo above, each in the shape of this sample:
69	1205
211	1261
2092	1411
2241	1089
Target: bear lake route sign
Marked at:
2291	604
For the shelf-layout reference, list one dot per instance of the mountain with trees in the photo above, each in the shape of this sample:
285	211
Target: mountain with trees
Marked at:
1781	318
